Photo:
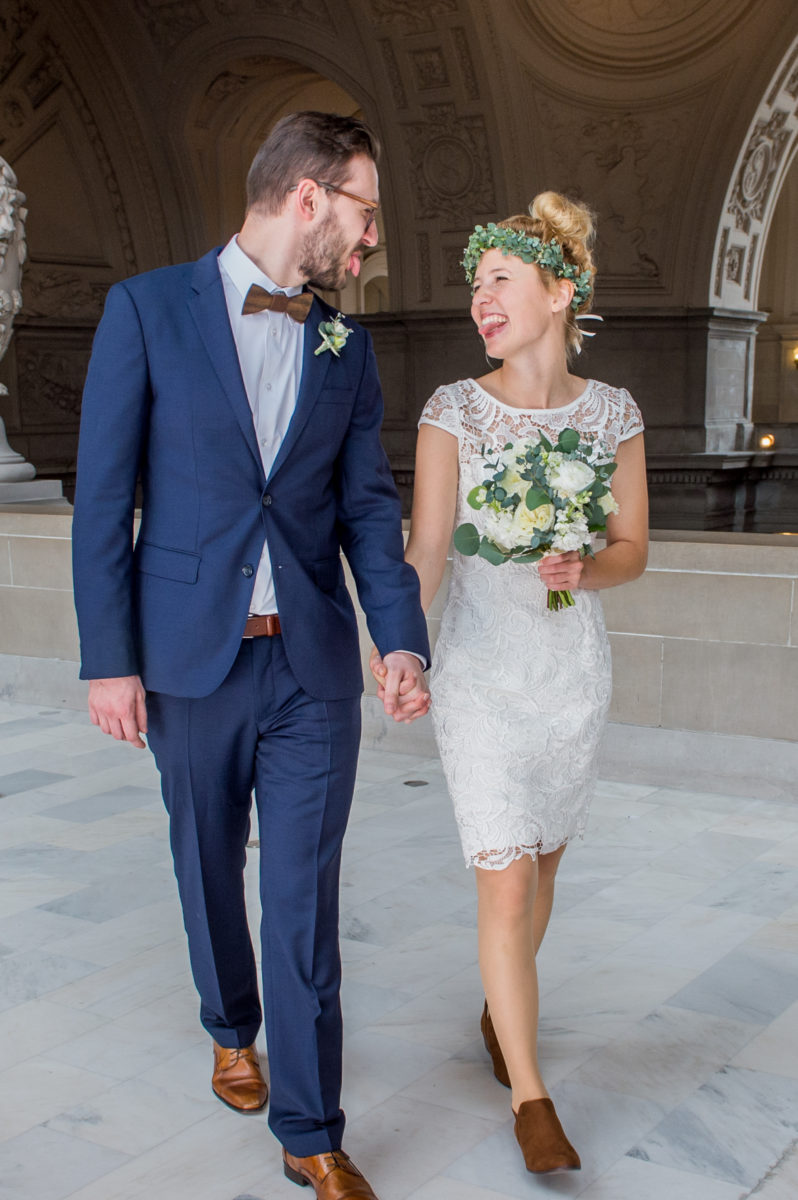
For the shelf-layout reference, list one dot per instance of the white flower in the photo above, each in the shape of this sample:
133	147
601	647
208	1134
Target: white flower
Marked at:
608	504
499	527
569	478
333	335
527	523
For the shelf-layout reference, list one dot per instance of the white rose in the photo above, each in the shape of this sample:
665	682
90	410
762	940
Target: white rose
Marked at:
608	504
527	523
569	478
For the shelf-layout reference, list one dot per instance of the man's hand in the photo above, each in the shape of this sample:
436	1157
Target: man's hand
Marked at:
400	685
118	707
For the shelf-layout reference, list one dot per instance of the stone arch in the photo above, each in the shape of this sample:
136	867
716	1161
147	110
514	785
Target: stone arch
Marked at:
770	144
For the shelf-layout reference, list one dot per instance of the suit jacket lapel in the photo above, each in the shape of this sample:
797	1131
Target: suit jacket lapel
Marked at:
209	310
314	370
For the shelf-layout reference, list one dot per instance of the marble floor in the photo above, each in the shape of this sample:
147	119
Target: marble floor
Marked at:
669	994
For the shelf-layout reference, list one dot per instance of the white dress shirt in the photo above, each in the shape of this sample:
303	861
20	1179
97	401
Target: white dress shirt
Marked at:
269	346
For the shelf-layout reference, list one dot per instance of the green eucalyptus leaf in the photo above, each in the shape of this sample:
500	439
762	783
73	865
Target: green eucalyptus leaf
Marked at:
473	497
466	539
568	441
491	553
535	497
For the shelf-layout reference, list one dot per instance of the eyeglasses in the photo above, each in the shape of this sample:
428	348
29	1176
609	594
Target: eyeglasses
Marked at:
373	208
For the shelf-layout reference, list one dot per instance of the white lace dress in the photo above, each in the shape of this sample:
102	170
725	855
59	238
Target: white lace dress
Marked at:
519	694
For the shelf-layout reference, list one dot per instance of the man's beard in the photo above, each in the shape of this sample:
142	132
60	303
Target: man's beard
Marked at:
324	255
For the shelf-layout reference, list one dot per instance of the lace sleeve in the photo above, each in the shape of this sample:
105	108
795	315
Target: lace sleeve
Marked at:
631	418
441	410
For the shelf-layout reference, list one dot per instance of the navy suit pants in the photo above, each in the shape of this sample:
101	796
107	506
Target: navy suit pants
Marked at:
259	730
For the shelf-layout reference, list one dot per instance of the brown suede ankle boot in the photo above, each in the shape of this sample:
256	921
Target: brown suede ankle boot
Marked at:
545	1147
493	1048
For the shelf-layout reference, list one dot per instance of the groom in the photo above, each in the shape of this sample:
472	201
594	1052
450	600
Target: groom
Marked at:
227	634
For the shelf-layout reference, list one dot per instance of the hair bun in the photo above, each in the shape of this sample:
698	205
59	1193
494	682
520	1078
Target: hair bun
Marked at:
564	220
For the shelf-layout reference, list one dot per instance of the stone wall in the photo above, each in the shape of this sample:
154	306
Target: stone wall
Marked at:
706	640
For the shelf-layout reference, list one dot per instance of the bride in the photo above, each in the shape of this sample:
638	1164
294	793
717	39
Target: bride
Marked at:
520	694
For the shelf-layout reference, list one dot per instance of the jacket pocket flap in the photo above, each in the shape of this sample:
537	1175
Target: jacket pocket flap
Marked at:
180	565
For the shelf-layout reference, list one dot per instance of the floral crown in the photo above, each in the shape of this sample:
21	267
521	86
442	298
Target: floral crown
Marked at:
529	249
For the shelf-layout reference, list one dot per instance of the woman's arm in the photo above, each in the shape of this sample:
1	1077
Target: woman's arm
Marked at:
626	552
434	505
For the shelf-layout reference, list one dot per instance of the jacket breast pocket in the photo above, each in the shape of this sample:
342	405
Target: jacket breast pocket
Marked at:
335	396
179	565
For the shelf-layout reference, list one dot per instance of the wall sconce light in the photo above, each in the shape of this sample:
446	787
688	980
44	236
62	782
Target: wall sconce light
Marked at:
767	440
795	358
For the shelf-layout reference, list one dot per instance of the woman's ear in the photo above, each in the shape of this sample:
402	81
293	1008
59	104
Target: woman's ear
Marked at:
563	294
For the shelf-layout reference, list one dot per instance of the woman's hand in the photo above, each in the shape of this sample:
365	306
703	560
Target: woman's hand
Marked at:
377	666
562	572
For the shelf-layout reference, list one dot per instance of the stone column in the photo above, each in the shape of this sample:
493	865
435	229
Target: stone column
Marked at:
16	474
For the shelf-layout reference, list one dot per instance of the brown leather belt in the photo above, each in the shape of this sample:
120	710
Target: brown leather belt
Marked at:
267	626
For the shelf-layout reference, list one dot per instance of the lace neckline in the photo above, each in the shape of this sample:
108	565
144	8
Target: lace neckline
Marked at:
510	408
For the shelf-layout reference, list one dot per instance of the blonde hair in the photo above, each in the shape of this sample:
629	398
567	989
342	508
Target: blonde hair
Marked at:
556	218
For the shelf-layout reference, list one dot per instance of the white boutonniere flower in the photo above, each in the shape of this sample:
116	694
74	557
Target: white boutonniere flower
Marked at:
333	335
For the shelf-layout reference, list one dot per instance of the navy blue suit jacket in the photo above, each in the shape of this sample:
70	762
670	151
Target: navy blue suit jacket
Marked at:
164	397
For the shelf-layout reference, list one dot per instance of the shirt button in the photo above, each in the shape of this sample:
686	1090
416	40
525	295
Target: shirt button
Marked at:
268	387
264	441
247	570
266	501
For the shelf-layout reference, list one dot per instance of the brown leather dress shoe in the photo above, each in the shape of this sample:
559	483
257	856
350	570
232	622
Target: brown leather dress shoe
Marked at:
333	1175
237	1078
540	1135
493	1048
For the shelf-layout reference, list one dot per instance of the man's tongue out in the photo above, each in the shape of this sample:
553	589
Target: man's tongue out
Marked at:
354	264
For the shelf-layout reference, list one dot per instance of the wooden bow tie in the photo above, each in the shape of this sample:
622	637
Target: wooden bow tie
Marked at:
297	307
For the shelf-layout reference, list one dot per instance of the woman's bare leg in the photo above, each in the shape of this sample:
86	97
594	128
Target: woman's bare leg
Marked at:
514	908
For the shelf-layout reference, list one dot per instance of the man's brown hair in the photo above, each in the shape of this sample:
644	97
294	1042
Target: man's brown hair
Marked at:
306	145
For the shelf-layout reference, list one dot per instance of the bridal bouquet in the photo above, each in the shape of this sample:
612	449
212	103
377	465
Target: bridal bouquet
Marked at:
540	499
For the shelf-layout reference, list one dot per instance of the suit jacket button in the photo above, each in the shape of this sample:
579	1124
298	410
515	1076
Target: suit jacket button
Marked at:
266	501
247	570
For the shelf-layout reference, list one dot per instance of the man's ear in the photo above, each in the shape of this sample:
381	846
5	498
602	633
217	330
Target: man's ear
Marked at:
306	196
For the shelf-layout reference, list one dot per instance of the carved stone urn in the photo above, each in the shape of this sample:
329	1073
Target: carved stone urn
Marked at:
13	467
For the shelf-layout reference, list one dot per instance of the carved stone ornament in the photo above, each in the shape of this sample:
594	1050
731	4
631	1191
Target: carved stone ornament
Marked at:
13	251
450	161
169	22
411	16
316	11
761	161
753	190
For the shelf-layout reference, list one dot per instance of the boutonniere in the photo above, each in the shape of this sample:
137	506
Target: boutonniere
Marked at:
333	335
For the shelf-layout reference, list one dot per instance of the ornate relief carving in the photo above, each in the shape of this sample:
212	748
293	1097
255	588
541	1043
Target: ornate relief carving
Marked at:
13	114
411	16
51	292
50	384
627	167
168	22
430	69
630	16
41	82
466	62
302	10
424	269
735	260
763	154
450	164
393	73
16	16
754	187
452	264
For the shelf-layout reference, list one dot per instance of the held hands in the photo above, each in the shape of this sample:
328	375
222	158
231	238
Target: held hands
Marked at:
118	707
400	684
562	572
